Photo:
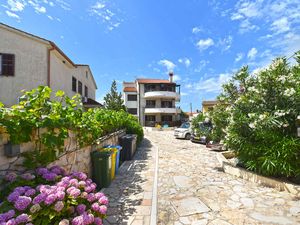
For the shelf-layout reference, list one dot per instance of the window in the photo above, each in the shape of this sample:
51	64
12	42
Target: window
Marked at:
86	91
132	111
7	64
150	103
132	97
150	118
74	84
86	75
166	104
166	118
79	87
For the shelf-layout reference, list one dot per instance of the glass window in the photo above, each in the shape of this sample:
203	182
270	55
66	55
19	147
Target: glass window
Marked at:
132	97
74	84
150	103
132	111
166	118
150	118
79	87
7	64
86	91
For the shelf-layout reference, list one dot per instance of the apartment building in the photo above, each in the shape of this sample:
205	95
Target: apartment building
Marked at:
28	61
153	101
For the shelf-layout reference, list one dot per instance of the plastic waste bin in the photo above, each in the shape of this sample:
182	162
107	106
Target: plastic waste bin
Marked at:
113	161
118	149
128	143
101	168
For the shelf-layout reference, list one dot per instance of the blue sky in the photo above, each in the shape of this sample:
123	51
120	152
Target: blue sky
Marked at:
203	42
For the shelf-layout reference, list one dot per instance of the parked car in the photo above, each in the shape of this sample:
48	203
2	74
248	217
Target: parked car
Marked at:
184	131
201	134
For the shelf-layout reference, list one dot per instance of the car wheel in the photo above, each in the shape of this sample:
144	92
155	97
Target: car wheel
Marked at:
188	136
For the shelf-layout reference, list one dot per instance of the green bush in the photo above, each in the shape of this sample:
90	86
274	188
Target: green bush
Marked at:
263	109
47	122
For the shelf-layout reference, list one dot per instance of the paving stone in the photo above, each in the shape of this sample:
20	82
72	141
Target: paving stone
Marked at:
189	206
182	181
247	202
200	222
270	219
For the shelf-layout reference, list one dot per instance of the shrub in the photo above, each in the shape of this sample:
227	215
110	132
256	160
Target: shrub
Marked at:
262	125
49	196
48	121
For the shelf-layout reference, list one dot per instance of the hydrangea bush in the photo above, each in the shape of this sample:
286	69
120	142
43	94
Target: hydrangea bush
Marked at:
260	119
52	197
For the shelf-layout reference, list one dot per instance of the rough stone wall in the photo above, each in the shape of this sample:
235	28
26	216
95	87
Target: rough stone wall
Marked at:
71	160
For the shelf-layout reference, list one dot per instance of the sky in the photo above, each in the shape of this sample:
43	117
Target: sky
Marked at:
203	42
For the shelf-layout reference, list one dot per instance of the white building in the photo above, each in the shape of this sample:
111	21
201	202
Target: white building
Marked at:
153	101
28	61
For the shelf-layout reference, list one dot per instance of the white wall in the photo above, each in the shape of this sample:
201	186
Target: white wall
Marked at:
61	73
30	65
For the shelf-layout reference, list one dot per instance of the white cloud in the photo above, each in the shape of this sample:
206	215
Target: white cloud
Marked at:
50	17
225	43
196	30
201	66
168	64
252	53
16	5
281	25
98	5
185	61
11	14
205	43
239	57
213	84
176	78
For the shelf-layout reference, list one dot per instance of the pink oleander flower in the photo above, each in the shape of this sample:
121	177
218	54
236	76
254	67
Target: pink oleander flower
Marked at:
12	197
75	193
59	206
95	207
22	203
91	197
81	209
41	171
50	199
39	198
11	177
98	195
103	200
98	221
28	176
103	209
23	218
30	192
78	220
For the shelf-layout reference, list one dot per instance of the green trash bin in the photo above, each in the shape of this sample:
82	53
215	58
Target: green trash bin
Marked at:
101	168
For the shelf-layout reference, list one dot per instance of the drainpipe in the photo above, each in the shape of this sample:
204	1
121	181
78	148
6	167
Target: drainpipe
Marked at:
48	65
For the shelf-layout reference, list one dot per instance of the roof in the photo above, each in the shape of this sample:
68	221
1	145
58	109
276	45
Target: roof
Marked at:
129	89
92	102
211	102
154	81
45	41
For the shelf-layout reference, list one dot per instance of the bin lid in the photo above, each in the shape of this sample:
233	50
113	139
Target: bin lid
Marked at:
102	154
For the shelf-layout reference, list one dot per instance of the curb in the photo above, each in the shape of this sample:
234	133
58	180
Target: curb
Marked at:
153	217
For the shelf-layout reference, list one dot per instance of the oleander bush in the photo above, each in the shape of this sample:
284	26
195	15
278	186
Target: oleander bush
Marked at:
48	122
260	118
50	196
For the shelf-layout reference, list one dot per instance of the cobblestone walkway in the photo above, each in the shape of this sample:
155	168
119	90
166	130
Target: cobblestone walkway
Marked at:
193	190
130	194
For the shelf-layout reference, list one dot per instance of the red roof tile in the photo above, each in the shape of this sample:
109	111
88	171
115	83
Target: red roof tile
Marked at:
129	89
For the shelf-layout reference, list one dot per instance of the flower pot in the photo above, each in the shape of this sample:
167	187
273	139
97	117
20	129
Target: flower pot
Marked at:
11	150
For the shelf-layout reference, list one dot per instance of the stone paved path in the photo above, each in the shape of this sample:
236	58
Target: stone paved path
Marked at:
193	190
130	194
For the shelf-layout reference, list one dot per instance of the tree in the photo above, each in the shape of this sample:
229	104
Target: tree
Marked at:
113	99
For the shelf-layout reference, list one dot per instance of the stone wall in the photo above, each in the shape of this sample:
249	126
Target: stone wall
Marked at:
72	160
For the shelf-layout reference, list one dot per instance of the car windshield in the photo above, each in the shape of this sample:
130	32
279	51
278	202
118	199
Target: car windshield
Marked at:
185	125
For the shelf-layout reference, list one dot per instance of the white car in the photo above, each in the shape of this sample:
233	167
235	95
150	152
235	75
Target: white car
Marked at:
184	131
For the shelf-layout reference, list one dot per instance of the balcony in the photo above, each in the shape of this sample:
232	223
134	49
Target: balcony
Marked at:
162	110
162	95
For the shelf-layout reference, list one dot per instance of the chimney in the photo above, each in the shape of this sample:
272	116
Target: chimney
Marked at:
171	74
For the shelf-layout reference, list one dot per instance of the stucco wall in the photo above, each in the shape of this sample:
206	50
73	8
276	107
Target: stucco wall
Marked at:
30	65
73	160
61	73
